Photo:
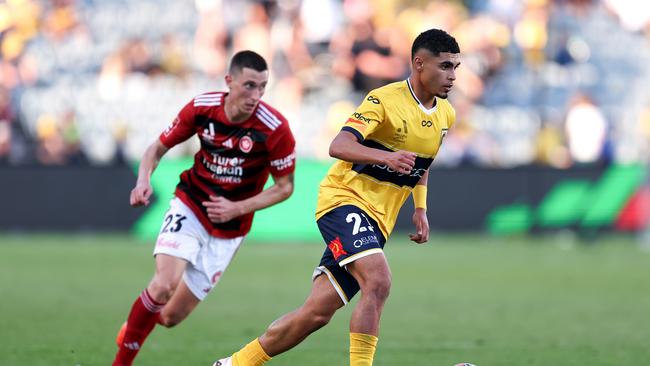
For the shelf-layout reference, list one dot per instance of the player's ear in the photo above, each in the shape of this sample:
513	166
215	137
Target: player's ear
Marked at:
418	63
228	79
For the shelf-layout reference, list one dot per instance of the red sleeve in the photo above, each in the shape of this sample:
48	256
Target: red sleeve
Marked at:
282	151
181	128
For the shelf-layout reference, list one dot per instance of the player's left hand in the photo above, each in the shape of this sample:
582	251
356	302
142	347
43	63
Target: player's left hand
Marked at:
421	223
221	209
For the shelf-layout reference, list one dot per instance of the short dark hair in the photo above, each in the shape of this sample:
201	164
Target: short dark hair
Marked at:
249	59
435	41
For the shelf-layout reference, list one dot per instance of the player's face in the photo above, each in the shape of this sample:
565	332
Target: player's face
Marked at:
246	88
437	73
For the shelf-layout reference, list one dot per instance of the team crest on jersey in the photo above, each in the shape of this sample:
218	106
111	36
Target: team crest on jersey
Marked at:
246	144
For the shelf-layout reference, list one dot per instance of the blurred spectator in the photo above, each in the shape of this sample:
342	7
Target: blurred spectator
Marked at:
586	130
84	87
373	56
551	147
58	140
6	118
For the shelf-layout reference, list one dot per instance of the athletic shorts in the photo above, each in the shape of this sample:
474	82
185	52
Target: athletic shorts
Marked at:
350	234
183	236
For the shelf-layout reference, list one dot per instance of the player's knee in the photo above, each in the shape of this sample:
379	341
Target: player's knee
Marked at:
170	320
161	291
320	320
378	289
315	319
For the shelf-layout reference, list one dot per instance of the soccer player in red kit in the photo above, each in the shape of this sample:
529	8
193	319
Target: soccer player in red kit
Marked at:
242	139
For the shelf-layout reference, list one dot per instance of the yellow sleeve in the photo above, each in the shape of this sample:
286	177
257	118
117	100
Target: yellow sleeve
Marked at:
368	116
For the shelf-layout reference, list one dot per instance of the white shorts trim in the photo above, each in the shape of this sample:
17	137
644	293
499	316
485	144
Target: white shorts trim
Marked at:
365	253
323	270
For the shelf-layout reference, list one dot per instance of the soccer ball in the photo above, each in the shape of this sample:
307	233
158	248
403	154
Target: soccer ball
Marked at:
464	364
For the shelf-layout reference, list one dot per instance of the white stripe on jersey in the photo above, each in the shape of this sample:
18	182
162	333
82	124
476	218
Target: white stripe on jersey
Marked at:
208	100
268	113
264	120
202	102
206	104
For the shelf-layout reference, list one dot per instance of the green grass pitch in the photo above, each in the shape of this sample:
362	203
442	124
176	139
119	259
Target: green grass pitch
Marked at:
488	301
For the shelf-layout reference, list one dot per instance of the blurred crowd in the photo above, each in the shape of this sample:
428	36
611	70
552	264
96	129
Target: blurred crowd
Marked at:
555	83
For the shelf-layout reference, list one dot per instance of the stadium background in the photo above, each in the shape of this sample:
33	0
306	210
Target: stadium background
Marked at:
549	155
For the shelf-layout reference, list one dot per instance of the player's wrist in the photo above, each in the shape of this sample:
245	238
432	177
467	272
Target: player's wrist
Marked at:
142	180
384	158
420	196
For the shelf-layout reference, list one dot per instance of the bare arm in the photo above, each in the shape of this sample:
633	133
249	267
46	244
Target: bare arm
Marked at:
221	209
420	219
345	146
142	191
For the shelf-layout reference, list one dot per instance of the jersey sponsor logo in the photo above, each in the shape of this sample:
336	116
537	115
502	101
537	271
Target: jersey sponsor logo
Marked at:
373	99
225	169
386	174
426	123
336	247
162	243
360	121
415	172
365	240
246	144
360	117
171	126
284	163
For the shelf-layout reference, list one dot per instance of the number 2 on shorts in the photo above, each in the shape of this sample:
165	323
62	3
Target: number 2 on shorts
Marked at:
178	223
357	228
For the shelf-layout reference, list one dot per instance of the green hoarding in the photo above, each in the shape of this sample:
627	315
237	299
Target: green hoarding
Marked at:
291	220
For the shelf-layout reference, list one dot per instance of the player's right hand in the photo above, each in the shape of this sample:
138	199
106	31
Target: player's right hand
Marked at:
140	194
401	161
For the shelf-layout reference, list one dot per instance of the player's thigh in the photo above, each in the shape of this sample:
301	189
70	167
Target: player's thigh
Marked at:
179	243
350	235
213	259
371	271
323	298
169	270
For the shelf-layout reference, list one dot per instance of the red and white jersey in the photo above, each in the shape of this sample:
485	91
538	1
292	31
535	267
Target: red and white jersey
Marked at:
234	160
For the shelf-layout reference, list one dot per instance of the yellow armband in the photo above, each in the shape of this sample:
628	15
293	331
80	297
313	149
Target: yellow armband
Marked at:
420	196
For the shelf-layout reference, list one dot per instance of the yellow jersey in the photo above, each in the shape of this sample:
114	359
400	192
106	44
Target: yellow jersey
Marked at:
390	118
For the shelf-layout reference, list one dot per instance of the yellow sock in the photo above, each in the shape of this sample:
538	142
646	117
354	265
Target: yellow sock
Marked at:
362	349
251	355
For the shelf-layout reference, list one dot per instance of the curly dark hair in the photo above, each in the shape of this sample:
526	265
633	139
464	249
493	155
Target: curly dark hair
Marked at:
249	59
435	41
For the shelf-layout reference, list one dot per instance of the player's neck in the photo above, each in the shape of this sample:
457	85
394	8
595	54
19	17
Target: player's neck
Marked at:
233	113
428	100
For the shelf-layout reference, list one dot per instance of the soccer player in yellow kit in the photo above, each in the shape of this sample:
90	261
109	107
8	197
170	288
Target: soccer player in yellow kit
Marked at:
384	149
